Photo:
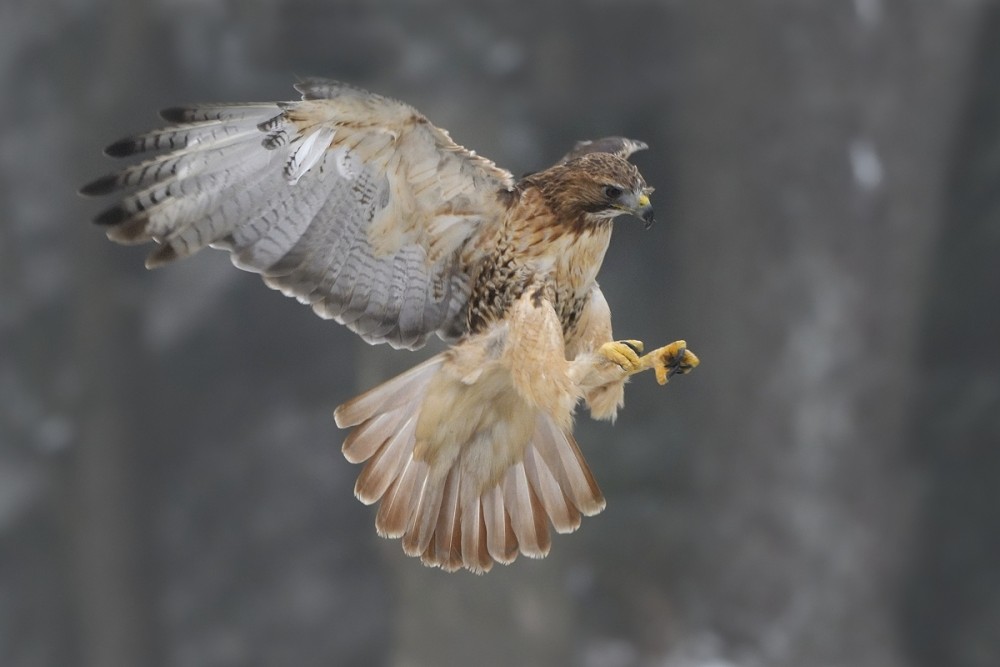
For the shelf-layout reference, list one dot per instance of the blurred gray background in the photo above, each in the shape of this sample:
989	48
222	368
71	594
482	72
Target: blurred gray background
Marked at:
823	491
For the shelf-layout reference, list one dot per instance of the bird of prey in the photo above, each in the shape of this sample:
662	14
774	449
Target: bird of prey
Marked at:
357	205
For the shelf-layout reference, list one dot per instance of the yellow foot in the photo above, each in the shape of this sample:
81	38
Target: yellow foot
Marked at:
668	361
625	353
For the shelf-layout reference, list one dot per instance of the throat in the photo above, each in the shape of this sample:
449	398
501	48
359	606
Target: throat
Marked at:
579	261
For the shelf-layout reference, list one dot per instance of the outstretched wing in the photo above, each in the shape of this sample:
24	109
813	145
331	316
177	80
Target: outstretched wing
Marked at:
353	203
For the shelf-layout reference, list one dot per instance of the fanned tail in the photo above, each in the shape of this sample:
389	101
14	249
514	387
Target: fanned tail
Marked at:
451	510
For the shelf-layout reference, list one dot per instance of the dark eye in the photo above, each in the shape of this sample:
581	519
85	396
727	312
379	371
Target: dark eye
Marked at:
612	192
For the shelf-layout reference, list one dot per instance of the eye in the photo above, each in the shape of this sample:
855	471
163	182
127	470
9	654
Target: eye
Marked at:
612	192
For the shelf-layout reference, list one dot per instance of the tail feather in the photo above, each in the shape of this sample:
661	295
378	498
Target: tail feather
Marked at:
384	468
475	551
527	516
447	542
562	512
362	443
401	501
562	455
420	533
445	508
500	538
392	394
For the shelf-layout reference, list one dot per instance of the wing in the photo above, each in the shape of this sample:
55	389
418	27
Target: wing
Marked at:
620	146
351	202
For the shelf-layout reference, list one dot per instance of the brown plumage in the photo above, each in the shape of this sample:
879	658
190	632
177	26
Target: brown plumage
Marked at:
360	207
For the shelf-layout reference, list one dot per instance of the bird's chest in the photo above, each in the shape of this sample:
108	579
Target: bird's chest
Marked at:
574	273
566	262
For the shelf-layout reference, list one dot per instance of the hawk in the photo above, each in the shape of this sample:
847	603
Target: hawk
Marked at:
357	205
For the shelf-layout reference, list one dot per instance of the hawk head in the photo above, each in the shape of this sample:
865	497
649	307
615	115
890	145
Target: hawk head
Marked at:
593	189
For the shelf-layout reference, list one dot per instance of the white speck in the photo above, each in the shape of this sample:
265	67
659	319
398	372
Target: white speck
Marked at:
865	164
869	12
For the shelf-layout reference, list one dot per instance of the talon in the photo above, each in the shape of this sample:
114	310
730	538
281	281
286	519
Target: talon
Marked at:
636	345
624	354
673	359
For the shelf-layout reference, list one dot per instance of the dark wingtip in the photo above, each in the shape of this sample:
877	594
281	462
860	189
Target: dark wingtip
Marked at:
100	186
122	148
175	114
113	216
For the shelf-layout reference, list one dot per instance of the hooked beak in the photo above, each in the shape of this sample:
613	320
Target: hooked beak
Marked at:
644	210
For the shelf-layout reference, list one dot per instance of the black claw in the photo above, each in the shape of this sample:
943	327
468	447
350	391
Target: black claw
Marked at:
631	346
677	365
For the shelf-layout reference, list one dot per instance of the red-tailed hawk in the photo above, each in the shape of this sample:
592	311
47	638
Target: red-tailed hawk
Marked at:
358	206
